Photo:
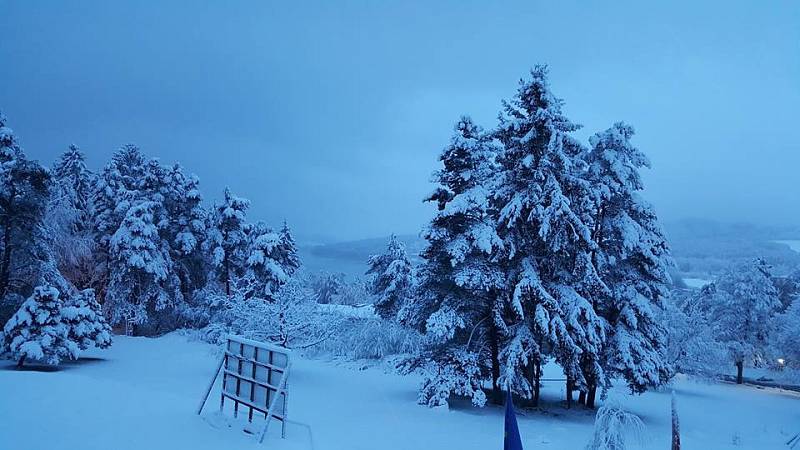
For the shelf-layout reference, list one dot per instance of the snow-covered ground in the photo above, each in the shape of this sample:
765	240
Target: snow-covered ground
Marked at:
142	394
696	283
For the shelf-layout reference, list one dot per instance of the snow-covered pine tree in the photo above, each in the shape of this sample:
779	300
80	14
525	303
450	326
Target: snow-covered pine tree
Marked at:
186	228
286	252
117	188
24	192
550	278
142	280
691	346
265	274
744	308
227	239
633	260
392	280
75	184
458	281
328	286
87	325
69	219
172	204
37	330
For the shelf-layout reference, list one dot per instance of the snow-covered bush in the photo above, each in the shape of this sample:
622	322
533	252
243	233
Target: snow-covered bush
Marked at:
295	320
87	325
612	426
454	372
691	344
37	331
370	338
787	331
291	318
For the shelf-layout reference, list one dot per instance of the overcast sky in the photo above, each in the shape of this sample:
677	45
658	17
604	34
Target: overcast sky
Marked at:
332	114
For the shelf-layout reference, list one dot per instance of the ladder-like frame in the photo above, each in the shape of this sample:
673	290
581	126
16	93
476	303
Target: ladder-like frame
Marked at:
280	391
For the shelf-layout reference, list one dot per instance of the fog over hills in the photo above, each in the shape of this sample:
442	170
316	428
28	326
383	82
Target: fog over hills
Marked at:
701	248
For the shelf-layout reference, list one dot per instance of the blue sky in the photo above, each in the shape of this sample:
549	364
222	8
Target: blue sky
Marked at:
332	114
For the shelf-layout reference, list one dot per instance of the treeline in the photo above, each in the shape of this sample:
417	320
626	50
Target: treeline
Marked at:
542	249
746	318
137	233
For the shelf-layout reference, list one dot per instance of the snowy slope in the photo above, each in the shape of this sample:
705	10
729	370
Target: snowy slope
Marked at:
143	392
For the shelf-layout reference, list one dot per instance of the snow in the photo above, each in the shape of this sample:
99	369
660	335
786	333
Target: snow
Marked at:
31	349
696	283
142	393
356	311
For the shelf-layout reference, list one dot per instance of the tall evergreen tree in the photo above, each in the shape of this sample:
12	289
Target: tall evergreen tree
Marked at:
392	280
69	217
550	278
633	260
24	192
75	181
227	239
286	252
458	280
118	187
265	273
186	227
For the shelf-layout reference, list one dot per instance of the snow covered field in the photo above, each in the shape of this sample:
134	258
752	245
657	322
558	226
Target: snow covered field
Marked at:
142	394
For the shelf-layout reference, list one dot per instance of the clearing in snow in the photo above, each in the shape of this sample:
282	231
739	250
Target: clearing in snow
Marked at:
143	394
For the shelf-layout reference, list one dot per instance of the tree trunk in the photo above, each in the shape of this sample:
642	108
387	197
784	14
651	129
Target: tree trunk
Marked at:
5	266
582	397
495	355
21	362
590	396
739	372
537	375
569	393
227	276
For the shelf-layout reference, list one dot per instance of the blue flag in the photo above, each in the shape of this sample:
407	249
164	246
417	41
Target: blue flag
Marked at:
511	440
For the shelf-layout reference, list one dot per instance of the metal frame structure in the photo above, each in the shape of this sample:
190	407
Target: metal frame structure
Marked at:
254	376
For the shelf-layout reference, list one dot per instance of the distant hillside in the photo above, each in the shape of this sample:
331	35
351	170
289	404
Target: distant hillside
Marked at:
350	257
704	248
701	248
